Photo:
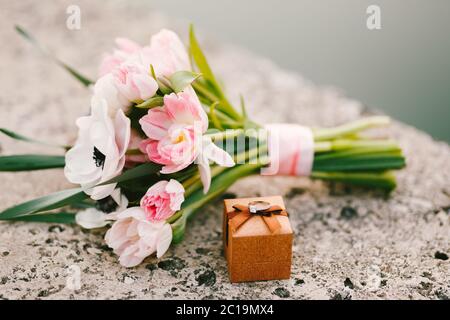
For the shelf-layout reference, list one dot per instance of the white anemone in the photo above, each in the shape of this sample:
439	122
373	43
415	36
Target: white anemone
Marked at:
92	218
99	152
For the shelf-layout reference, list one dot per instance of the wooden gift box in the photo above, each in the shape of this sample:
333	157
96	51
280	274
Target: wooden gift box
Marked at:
253	252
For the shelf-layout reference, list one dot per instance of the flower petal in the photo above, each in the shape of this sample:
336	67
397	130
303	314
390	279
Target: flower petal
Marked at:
168	45
174	186
164	240
129	258
91	218
185	108
217	155
205	172
156	123
127	45
122	127
146	85
80	167
100	192
105	88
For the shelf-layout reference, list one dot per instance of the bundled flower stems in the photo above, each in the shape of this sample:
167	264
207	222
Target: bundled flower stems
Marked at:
162	140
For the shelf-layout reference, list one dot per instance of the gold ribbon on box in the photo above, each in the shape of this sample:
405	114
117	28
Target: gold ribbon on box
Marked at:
268	213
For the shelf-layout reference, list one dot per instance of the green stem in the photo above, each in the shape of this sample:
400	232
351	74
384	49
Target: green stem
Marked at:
219	184
223	135
246	155
194	183
385	180
225	119
133	152
199	88
230	110
350	128
357	152
343	144
224	105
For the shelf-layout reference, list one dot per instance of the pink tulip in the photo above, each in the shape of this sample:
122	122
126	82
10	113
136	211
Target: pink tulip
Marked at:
134	238
126	48
127	83
166	53
134	82
175	131
162	200
125	74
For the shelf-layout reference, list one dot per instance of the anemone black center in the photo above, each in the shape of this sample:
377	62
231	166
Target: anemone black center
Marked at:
99	158
107	205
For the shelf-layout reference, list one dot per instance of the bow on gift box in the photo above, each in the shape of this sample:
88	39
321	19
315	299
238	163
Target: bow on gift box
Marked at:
268	213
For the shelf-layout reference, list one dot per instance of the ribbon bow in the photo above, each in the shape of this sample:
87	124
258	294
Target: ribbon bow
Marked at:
242	213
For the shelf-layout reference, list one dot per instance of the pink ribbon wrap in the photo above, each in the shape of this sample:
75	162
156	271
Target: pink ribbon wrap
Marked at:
291	150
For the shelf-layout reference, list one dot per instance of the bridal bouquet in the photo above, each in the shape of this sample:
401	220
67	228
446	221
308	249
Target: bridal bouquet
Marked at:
162	140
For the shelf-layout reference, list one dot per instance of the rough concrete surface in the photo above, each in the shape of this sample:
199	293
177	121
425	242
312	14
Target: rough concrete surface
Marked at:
350	243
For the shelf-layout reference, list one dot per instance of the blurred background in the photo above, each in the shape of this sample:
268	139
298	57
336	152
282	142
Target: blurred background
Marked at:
402	68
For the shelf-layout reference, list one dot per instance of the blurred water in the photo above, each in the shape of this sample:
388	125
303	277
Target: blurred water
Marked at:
403	69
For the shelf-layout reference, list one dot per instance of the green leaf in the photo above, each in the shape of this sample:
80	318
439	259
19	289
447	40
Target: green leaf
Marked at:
85	81
20	137
49	202
151	103
243	109
210	86
60	217
164	85
28	162
181	79
152	71
140	171
200	60
89	203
